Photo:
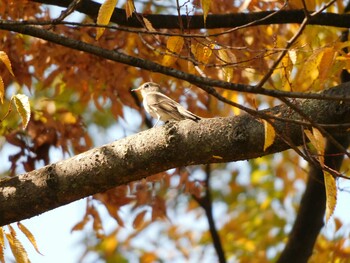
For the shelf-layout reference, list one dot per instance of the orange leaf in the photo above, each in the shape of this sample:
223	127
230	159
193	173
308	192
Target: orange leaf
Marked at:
104	15
139	219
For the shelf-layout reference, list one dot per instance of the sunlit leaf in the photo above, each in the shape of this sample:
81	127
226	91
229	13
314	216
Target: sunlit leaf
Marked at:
23	108
148	24
270	134
5	59
201	53
29	235
104	15
205	6
331	194
293	56
232	96
129	8
326	63
17	248
227	57
318	141
174	46
286	69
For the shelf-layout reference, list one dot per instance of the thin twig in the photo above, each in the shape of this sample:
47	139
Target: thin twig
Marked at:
206	203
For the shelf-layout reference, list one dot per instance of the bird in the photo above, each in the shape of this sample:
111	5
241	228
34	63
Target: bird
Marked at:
161	107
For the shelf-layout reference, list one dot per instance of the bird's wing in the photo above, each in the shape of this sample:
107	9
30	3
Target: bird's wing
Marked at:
170	107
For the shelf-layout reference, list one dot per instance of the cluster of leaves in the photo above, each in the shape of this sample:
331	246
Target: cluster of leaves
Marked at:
71	90
16	246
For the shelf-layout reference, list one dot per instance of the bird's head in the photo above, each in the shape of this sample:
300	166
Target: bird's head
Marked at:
148	87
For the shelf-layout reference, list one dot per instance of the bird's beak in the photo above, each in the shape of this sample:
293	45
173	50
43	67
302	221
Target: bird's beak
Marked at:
136	89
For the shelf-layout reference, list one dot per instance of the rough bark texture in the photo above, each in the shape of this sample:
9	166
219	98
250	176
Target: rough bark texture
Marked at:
158	149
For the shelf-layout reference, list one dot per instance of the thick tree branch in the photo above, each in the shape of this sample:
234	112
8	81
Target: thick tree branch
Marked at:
155	150
204	83
91	8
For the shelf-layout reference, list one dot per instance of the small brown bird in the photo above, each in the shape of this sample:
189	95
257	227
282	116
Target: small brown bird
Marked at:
161	107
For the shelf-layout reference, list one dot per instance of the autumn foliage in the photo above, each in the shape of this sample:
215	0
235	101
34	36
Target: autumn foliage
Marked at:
78	97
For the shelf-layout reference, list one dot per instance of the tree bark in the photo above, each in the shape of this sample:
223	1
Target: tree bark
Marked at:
91	9
159	149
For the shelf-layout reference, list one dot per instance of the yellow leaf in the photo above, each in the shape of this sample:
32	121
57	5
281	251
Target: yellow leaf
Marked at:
23	108
318	141
174	46
270	134
201	53
104	15
2	90
227	57
129	8
293	56
285	71
148	25
232	96
2	245
217	157
205	6
331	194
326	64
29	235
68	118
17	248
310	71
5	59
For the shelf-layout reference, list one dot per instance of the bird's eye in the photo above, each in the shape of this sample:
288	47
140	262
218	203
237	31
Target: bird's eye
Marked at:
147	86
